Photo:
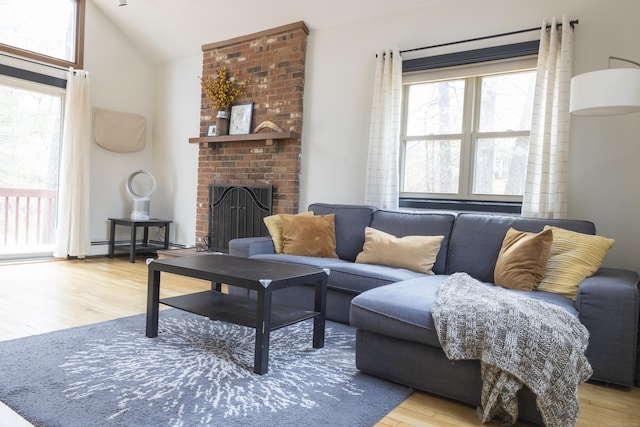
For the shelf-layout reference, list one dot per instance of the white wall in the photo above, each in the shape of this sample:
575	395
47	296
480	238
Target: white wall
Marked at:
168	95
604	151
121	80
175	161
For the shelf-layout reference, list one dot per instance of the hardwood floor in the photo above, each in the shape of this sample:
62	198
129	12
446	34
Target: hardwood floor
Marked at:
39	297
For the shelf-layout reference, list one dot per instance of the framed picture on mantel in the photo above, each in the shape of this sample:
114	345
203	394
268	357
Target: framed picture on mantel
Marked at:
241	115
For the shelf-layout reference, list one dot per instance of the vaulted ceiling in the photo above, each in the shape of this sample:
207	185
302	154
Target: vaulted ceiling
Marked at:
166	30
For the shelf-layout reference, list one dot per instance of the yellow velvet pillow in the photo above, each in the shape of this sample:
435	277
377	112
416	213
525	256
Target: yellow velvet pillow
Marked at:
309	235
574	257
417	253
274	225
523	259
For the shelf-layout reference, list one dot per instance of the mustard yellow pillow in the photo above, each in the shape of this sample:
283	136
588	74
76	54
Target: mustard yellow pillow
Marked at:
523	259
574	257
417	253
274	226
309	235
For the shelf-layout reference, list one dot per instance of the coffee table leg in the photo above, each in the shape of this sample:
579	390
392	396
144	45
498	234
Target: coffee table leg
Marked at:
153	303
263	330
320	306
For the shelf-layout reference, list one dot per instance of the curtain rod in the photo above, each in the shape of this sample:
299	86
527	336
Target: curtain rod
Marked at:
572	23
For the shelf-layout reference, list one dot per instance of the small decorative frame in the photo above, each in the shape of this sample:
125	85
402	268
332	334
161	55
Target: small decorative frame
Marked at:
241	115
211	129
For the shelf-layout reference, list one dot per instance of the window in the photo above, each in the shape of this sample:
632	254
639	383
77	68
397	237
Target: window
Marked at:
48	31
466	132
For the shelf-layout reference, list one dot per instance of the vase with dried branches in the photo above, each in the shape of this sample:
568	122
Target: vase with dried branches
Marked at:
222	90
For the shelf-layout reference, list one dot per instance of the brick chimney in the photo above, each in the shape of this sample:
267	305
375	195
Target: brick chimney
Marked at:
275	61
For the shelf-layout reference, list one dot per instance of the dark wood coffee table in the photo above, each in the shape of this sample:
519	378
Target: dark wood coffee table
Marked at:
264	277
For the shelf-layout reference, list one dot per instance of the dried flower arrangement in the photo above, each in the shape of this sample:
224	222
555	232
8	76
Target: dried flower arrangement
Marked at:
222	90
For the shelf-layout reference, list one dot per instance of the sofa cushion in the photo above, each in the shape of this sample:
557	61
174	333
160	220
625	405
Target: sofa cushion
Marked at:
403	310
476	240
309	235
410	223
523	259
416	253
347	276
574	257
350	223
312	261
274	226
356	278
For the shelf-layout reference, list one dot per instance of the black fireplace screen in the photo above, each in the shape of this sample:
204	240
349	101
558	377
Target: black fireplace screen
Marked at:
236	212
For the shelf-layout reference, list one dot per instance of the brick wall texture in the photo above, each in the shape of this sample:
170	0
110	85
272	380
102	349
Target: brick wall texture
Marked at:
275	62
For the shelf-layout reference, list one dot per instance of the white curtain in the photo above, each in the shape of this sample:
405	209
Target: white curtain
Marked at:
545	193
382	182
72	230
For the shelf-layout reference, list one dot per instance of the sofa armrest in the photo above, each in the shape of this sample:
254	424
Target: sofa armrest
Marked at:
250	246
608	304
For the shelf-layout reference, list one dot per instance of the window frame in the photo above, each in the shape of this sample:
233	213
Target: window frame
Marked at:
473	74
78	62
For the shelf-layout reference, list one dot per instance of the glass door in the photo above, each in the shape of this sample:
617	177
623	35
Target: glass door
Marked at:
30	138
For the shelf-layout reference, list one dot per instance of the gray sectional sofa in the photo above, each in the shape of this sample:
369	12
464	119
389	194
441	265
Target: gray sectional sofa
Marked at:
390	307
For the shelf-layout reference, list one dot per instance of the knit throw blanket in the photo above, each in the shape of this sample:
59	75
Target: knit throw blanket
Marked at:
518	340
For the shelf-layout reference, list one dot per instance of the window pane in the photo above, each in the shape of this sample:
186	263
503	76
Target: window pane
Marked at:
30	129
432	166
507	101
500	166
435	108
46	27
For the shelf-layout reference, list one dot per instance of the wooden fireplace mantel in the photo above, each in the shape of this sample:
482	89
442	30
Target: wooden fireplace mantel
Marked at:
268	137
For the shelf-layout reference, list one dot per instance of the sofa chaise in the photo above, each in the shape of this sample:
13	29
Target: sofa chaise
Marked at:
391	306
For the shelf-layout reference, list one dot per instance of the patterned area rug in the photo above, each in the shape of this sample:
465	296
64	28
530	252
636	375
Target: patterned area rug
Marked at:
196	373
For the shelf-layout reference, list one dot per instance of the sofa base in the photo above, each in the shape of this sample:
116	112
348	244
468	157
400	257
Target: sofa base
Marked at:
400	361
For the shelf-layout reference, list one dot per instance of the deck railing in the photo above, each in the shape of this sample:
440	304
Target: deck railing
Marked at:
27	216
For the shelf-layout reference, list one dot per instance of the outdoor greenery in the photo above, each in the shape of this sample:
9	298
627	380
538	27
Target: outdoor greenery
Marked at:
29	138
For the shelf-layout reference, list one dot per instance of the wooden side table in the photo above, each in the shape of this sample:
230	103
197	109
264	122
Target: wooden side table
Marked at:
133	247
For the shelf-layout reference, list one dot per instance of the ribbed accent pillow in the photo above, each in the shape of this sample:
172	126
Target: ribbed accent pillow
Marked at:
574	257
416	253
274	226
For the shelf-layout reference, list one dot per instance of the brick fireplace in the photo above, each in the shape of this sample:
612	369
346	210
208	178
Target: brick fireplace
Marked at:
275	61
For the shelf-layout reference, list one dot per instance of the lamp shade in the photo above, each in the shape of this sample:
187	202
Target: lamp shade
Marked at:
605	92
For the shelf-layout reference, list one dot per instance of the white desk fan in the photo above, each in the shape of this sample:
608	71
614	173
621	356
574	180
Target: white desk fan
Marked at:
140	194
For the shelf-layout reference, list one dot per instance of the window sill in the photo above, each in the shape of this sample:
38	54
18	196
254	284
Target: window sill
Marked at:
462	205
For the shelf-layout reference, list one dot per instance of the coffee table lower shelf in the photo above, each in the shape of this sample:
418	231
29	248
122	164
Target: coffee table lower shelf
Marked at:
233	309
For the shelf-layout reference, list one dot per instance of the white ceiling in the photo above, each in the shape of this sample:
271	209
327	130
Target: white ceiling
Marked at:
165	30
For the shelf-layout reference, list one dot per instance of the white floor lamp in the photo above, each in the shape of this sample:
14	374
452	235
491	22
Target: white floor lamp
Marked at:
607	92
